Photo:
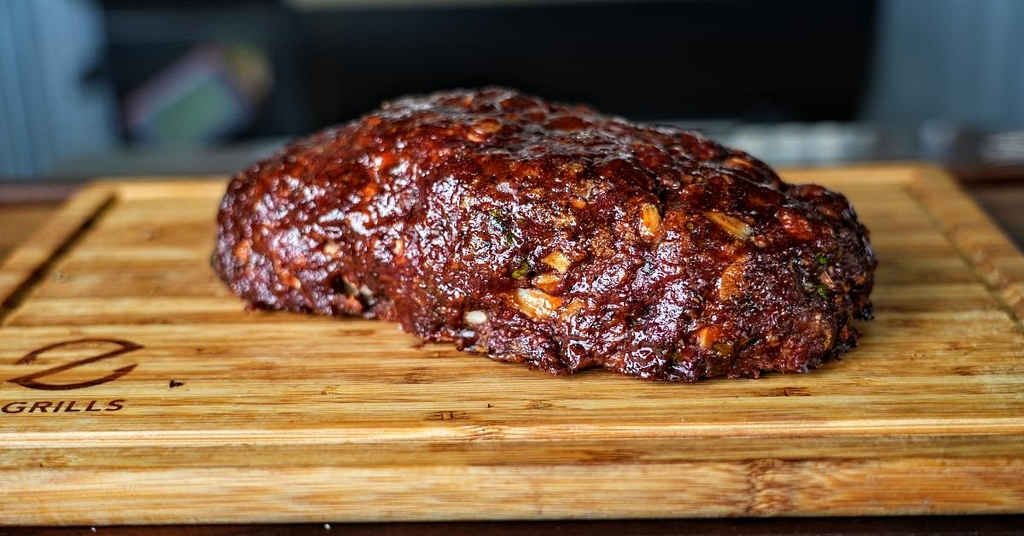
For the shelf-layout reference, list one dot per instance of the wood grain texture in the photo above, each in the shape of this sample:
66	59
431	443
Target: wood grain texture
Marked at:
19	222
225	415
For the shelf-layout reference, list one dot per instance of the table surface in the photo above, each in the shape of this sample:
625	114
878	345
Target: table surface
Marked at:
25	207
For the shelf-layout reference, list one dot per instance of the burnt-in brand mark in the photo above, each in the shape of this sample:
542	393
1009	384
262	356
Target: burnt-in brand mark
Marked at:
32	380
58	406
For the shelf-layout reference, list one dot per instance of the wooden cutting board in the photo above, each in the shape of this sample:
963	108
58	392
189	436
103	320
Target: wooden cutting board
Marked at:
136	389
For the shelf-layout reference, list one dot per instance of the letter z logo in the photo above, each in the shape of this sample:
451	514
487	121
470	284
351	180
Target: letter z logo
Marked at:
31	380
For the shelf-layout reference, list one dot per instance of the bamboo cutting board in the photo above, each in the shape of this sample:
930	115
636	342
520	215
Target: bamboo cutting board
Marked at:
136	389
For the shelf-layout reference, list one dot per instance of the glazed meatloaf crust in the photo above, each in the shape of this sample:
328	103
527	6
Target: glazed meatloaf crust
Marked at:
552	235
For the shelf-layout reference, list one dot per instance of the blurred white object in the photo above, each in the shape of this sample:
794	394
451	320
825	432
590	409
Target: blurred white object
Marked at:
1003	148
788	144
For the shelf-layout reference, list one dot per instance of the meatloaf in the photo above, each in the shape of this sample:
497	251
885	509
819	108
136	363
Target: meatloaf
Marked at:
551	235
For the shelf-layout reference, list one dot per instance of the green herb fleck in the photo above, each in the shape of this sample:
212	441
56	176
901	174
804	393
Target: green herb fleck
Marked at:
822	260
822	291
522	270
505	231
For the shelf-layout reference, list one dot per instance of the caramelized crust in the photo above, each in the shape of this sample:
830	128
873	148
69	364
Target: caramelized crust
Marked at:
552	235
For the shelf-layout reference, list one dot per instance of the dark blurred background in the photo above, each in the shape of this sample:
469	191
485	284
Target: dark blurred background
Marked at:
121	87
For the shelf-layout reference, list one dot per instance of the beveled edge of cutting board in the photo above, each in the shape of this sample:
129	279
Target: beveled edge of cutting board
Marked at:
974	235
29	262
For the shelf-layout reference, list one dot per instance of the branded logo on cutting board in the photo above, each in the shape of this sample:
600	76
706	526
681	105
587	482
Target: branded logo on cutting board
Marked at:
38	380
32	380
